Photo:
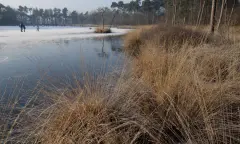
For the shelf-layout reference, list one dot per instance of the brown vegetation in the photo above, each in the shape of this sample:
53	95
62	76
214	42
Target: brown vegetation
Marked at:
164	37
103	30
182	89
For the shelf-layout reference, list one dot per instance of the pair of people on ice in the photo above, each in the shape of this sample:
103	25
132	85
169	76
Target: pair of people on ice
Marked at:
23	27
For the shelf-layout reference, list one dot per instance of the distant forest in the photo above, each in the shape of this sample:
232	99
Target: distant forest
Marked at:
136	12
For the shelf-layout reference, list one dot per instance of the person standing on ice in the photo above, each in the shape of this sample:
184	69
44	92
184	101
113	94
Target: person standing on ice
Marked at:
24	28
37	27
21	26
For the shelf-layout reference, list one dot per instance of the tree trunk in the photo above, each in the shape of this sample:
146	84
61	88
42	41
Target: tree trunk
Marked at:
230	16
114	15
199	13
148	18
203	6
221	13
192	7
174	12
213	14
167	13
103	20
153	18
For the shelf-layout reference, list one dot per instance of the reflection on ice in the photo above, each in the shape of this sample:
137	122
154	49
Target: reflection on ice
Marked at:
3	59
103	54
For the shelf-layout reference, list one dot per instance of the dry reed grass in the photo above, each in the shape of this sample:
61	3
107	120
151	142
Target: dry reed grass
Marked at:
198	82
102	30
165	37
188	92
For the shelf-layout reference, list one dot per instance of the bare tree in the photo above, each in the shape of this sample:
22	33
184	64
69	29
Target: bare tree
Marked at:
166	13
213	14
102	11
114	15
200	13
174	12
203	6
221	13
230	16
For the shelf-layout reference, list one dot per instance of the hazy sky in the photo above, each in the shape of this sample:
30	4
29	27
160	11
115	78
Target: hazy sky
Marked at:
79	5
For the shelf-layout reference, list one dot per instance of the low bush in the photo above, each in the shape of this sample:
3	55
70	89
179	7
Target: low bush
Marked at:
103	30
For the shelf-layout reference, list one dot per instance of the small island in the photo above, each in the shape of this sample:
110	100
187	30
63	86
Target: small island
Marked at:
103	30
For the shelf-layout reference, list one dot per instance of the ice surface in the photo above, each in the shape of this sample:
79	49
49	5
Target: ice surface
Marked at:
12	35
3	59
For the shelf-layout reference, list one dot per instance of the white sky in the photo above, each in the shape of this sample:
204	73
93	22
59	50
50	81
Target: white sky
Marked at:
79	5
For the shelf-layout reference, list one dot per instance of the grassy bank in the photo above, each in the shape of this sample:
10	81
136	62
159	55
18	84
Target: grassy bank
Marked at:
183	86
115	26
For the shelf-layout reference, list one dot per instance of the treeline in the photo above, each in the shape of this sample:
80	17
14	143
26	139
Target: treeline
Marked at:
136	12
34	16
196	12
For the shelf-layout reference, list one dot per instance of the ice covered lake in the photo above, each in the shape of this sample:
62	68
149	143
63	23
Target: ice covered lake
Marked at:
54	56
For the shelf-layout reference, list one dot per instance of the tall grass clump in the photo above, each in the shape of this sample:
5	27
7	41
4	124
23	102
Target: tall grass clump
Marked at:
182	91
196	86
134	39
92	113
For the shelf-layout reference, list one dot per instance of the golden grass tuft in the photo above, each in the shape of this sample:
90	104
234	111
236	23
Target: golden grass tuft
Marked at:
133	41
102	30
198	87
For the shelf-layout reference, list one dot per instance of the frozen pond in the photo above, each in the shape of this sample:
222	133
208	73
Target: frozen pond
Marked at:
12	35
54	56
